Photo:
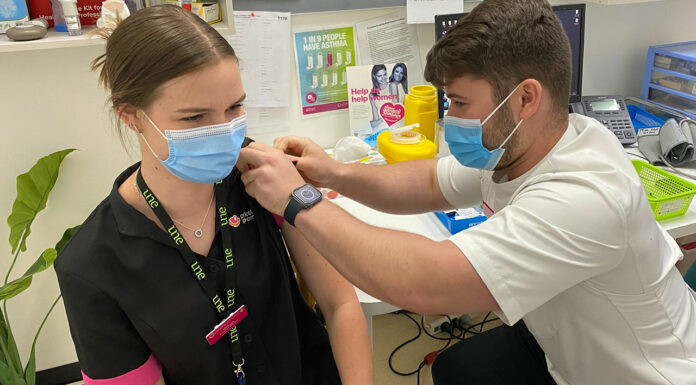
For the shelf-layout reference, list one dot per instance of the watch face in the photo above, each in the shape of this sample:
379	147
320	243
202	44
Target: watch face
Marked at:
307	194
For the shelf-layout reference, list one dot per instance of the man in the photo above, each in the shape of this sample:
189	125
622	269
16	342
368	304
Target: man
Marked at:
570	246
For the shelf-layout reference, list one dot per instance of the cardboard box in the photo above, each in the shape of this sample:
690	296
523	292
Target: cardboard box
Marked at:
12	11
208	11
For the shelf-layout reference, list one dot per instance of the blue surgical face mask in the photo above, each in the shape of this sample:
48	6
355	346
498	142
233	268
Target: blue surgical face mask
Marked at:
203	154
465	140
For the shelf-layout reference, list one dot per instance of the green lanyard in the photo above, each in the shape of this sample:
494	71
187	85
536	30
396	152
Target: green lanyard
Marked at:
224	308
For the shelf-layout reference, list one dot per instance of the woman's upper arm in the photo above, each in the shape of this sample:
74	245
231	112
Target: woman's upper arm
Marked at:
107	344
327	285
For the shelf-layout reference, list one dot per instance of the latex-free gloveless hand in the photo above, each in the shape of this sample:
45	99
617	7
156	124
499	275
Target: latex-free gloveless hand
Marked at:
315	166
269	176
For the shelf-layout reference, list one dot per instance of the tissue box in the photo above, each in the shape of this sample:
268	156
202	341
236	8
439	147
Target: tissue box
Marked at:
461	219
208	11
12	11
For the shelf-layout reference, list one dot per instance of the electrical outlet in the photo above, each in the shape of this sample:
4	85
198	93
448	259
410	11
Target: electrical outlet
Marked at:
434	326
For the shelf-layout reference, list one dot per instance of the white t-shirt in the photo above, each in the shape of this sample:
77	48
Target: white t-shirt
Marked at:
573	248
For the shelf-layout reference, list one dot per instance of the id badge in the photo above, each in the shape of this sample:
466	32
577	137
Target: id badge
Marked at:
226	325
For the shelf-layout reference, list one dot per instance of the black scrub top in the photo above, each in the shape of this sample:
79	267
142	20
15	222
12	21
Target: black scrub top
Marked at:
128	294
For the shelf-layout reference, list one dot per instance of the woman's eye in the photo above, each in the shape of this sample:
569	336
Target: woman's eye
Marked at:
193	118
458	103
236	106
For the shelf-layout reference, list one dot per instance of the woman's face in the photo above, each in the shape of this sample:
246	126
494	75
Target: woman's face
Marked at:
209	96
398	73
381	78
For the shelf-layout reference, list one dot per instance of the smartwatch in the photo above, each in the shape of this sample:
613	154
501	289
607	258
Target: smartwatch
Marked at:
301	198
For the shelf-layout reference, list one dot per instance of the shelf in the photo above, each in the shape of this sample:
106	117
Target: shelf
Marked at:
674	73
617	2
62	40
668	90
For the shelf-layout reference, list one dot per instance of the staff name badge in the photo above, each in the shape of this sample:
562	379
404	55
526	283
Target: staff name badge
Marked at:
226	325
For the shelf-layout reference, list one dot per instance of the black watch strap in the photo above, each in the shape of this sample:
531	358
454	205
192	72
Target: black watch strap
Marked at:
291	210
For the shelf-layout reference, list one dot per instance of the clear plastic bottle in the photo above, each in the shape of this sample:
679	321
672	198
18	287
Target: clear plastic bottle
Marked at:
72	18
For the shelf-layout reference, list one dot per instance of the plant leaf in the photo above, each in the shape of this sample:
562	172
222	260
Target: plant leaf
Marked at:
15	287
22	283
33	188
6	374
66	237
14	360
30	370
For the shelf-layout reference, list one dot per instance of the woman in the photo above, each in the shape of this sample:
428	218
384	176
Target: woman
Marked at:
379	95
178	245
399	79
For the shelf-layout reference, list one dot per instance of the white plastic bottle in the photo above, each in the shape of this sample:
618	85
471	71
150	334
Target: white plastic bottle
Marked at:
72	18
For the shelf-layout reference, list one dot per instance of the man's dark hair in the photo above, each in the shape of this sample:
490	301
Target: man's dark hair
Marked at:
505	42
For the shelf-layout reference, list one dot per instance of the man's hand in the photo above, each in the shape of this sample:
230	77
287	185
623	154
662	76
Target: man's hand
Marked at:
269	176
315	166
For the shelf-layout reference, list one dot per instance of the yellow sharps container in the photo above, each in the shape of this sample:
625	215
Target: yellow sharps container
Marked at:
397	145
420	107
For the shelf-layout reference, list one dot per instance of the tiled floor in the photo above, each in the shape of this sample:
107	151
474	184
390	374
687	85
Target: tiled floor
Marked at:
390	330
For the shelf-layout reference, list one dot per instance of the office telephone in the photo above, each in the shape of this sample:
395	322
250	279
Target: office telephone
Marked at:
610	110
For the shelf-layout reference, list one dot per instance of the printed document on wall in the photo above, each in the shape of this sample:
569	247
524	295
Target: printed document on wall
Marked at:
424	11
262	43
389	39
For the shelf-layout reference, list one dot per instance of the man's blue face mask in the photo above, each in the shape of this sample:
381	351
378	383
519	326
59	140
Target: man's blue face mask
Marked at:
465	140
203	154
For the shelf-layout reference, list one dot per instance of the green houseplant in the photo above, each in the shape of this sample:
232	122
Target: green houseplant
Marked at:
33	189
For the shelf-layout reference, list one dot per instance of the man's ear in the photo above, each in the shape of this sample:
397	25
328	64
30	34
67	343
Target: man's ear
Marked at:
129	116
530	95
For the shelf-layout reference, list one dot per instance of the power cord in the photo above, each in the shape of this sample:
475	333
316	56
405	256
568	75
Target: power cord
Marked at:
428	359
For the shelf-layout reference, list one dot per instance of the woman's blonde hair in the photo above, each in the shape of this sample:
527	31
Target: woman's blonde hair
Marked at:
151	47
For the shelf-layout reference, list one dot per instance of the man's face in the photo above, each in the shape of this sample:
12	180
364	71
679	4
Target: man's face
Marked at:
472	98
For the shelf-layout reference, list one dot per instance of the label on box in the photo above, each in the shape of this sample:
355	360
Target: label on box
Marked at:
669	207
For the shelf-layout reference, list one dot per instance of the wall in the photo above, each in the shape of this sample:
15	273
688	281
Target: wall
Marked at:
49	101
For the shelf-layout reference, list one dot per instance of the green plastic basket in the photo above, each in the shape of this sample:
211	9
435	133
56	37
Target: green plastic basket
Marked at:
669	196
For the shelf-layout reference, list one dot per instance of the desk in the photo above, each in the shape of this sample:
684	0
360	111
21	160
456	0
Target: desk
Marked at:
428	225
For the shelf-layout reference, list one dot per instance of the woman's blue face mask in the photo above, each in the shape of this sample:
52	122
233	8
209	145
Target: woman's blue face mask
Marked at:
203	154
464	138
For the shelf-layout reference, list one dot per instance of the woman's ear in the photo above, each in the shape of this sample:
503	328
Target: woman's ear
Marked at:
129	116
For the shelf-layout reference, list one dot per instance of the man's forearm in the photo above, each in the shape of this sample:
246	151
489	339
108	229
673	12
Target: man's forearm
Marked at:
404	269
401	188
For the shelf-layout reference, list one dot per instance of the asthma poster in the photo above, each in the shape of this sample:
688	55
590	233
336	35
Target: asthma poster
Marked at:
322	58
376	99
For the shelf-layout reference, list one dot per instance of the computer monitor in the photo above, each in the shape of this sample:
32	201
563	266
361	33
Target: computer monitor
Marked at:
573	19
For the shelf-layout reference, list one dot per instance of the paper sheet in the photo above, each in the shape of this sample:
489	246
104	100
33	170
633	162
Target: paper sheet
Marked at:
263	44
388	39
424	11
